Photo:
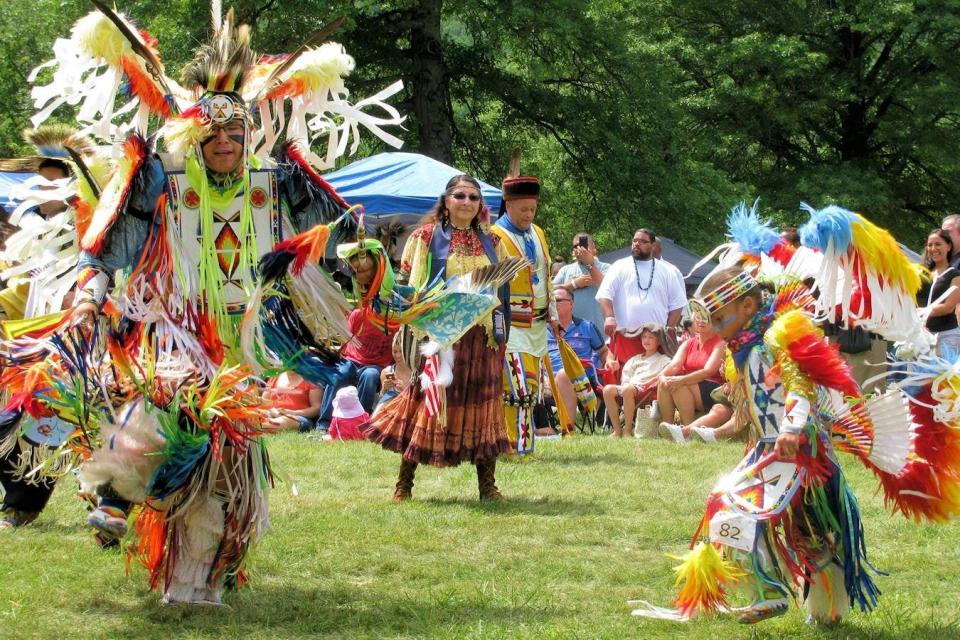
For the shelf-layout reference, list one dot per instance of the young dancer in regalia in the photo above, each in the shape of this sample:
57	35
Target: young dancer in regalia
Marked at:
39	261
785	522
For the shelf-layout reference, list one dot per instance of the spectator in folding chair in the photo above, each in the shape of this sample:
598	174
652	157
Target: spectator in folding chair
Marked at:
586	341
694	372
638	383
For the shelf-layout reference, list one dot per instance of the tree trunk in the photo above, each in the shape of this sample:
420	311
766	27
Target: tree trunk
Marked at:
855	129
431	83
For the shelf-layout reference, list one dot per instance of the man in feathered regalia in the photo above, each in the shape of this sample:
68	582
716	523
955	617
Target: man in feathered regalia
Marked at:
166	412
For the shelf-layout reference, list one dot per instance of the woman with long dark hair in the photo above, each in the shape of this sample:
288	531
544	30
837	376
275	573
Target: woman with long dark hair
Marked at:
451	240
942	321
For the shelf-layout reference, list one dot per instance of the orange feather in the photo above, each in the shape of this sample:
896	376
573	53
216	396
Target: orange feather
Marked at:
143	86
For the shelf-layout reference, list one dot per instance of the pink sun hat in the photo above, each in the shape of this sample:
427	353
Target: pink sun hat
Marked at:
348	415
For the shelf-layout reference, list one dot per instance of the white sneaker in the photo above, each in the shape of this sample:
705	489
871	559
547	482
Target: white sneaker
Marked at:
672	431
655	411
704	434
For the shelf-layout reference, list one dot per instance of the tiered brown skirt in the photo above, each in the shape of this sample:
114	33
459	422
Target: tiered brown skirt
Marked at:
474	427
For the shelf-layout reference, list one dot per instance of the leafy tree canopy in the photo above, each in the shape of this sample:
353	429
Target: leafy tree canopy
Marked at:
660	113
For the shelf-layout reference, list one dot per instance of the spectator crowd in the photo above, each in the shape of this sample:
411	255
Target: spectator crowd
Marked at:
656	370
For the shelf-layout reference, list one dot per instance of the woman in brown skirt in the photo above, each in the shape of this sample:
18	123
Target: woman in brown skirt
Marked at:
452	240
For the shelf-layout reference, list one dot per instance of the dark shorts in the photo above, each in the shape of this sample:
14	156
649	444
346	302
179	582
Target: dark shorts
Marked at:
706	387
719	397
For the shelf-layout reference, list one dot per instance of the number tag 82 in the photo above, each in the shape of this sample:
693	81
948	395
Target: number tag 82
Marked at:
733	530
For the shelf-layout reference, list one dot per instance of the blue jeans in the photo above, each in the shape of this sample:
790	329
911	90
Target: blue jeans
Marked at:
366	378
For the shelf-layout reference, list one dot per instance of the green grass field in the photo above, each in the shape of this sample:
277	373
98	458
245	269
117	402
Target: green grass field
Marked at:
587	526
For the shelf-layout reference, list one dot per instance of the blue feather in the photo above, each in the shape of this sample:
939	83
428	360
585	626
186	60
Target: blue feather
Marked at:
830	223
53	151
755	236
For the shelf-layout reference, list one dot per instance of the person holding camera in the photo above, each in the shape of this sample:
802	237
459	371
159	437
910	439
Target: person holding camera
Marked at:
582	277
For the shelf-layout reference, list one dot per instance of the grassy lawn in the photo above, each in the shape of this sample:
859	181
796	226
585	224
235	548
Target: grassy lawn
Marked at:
587	526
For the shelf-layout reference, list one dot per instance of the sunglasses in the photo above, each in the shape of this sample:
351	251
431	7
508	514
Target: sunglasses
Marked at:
234	132
472	197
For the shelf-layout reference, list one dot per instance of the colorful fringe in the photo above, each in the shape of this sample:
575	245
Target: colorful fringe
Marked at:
703	578
820	524
879	284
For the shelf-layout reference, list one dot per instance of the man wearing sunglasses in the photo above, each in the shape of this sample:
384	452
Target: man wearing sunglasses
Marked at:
532	308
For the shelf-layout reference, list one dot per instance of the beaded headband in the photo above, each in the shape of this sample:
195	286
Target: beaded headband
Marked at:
723	295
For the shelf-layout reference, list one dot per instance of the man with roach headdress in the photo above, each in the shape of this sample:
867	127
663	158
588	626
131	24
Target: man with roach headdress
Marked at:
169	271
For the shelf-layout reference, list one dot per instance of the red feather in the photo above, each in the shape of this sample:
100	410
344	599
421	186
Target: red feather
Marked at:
823	364
308	247
209	338
150	549
144	87
782	252
936	442
289	89
82	214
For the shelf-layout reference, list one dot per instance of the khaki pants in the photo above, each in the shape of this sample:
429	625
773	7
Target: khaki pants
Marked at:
861	365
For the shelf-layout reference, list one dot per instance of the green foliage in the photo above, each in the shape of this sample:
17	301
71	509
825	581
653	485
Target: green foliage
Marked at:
662	113
851	103
588	524
27	32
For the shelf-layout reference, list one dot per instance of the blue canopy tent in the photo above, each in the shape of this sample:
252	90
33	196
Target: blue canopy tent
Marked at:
402	186
8	180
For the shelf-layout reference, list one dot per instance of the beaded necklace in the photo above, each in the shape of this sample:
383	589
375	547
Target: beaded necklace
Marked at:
636	270
752	334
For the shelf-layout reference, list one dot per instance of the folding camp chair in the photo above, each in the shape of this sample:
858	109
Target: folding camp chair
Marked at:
592	421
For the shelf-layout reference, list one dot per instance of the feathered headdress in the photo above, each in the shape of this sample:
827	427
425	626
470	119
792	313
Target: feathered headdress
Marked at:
222	65
299	96
52	142
215	77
